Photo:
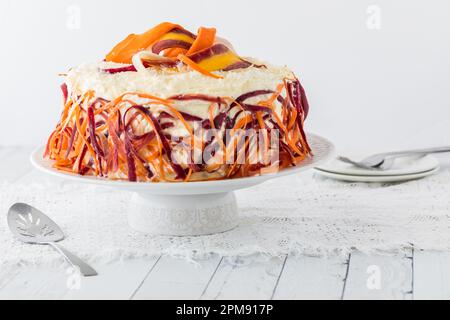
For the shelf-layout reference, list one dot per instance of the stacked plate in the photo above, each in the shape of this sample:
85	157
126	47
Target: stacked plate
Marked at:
403	169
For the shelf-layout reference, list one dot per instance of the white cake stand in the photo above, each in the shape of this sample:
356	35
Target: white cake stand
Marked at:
188	208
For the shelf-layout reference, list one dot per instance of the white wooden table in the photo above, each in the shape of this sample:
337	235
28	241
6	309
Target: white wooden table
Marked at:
414	275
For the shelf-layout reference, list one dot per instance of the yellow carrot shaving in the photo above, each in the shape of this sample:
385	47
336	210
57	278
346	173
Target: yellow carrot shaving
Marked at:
196	67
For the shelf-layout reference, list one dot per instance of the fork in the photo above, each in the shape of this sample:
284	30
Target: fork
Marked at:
384	161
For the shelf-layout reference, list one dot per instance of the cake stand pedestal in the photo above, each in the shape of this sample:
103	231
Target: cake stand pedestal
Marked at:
183	215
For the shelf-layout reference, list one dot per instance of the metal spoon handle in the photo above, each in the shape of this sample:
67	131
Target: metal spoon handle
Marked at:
85	269
419	151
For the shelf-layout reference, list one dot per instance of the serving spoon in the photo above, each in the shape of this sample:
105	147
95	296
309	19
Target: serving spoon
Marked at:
32	226
384	161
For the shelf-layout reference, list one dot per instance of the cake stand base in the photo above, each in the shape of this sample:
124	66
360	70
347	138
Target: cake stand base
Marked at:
183	215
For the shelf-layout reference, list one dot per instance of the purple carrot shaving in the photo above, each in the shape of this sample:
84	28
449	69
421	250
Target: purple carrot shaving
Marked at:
129	68
146	63
65	92
255	108
71	140
167	125
132	152
130	160
216	49
95	144
190	117
238	65
304	100
186	116
294	92
82	155
185	32
219	119
169	43
232	121
144	140
202	97
150	173
164	115
206	124
249	95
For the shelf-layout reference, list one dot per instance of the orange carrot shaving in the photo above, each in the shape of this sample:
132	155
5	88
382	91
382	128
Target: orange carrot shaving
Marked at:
260	120
204	40
293	117
211	114
188	175
274	96
174	52
126	49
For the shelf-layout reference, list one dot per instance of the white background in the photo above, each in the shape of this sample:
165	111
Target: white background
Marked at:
368	88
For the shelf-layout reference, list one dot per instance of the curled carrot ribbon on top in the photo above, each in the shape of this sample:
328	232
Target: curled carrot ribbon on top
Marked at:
200	52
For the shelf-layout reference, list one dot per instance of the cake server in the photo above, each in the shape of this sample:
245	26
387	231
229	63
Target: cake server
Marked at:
32	226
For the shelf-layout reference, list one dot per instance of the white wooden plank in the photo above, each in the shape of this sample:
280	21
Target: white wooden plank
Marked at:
33	282
379	277
15	163
116	280
305	278
431	275
7	275
177	279
251	277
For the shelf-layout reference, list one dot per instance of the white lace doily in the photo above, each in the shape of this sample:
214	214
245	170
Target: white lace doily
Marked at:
302	214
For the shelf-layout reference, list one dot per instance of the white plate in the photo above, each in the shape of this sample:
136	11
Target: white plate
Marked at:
384	178
188	208
401	166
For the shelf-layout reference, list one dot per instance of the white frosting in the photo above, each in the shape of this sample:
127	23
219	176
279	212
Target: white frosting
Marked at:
165	83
